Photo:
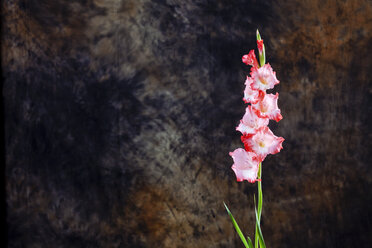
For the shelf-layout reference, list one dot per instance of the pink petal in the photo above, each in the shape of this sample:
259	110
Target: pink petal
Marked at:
264	78
268	107
250	59
245	165
251	122
263	142
251	95
276	145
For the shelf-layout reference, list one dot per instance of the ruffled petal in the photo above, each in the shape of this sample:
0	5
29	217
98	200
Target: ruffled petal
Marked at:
245	165
264	78
268	107
251	95
276	145
263	142
251	122
250	59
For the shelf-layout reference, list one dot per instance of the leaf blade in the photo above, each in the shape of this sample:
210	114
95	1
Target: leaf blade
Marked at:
250	242
260	236
236	226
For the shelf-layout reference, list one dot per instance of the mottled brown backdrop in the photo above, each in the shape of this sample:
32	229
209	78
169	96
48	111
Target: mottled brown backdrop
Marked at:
120	114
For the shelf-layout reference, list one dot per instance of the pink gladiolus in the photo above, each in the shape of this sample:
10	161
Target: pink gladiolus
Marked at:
264	78
263	142
251	95
250	59
251	122
245	165
258	139
268	107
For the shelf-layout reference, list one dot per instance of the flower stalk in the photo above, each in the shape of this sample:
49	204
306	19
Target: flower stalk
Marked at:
259	207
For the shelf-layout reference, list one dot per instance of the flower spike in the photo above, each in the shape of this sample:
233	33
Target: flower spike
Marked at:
258	139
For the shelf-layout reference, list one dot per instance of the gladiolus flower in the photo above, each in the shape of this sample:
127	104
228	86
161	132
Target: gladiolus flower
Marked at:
245	165
263	142
268	107
251	122
251	95
250	59
258	139
264	78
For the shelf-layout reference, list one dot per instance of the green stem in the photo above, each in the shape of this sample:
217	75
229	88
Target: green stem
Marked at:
259	208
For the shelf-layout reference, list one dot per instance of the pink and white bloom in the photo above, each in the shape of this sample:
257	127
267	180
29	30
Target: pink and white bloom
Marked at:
268	107
263	142
251	95
250	59
251	122
245	165
264	78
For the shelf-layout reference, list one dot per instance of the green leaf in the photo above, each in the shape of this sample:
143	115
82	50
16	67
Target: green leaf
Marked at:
238	229
250	242
260	236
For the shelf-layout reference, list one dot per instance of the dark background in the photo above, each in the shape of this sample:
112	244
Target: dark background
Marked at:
119	117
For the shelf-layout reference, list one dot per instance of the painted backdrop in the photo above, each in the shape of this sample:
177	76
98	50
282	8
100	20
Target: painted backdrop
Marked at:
119	117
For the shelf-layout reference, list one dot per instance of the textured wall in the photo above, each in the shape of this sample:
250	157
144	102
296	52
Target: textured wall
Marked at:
119	116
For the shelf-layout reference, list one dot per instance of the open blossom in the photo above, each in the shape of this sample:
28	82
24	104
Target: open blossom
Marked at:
264	78
268	107
251	95
250	59
245	165
263	142
251	122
